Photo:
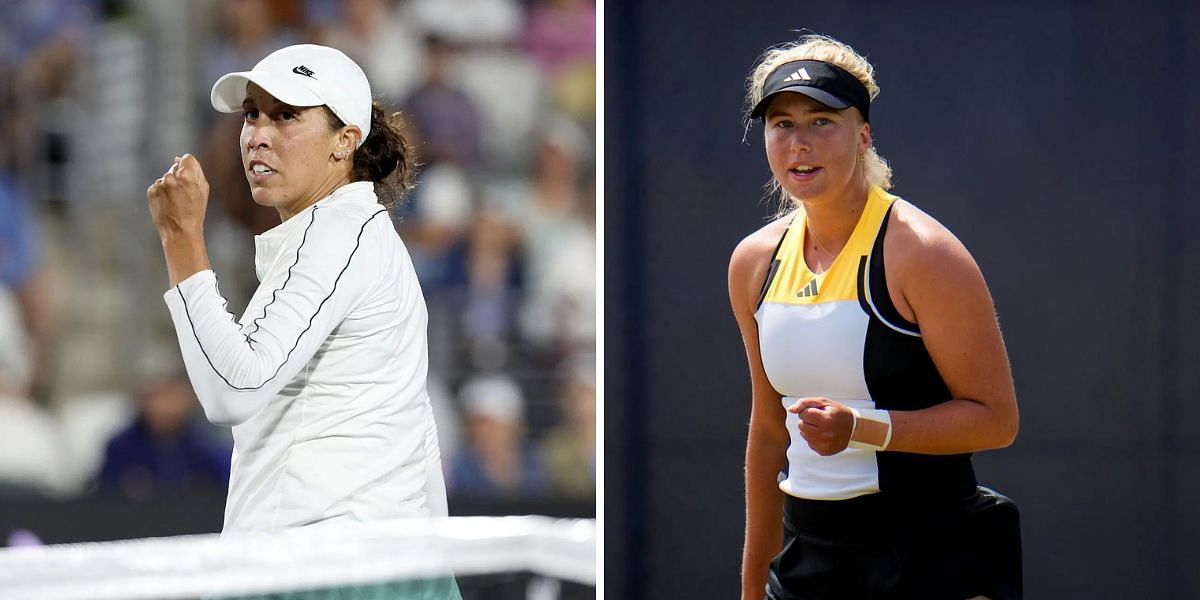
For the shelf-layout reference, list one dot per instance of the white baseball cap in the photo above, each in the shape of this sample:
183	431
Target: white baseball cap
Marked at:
304	75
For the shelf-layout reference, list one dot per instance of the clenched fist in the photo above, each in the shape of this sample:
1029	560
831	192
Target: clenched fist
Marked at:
826	425
179	199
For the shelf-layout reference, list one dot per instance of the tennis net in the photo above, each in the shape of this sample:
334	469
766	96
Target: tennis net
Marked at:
527	557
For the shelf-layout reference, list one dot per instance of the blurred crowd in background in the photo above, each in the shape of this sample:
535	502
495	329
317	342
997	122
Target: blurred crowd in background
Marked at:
97	97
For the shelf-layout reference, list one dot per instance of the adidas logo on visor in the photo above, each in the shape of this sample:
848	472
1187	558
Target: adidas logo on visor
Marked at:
801	75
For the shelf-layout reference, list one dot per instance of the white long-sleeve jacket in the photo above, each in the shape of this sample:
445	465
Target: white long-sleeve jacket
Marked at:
323	377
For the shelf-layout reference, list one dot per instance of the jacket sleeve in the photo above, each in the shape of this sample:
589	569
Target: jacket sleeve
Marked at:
318	278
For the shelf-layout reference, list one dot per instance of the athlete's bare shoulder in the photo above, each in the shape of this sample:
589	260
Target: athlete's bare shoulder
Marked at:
751	260
923	254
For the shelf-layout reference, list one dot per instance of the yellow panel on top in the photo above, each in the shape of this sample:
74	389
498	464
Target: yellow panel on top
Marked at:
795	283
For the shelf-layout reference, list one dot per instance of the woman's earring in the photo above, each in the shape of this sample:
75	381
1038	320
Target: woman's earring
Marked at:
339	154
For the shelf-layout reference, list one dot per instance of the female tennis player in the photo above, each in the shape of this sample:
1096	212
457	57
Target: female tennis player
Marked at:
323	377
877	365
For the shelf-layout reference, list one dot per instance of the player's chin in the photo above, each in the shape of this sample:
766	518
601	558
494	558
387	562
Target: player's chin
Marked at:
803	190
262	196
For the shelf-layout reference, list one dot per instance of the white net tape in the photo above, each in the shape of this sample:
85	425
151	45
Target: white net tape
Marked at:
210	565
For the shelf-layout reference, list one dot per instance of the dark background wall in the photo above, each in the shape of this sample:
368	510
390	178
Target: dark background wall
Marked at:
1056	139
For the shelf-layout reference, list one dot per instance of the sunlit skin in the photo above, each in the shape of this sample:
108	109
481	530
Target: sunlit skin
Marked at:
815	154
307	160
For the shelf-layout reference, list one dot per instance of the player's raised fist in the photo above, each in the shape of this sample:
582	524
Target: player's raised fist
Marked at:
179	198
190	172
826	425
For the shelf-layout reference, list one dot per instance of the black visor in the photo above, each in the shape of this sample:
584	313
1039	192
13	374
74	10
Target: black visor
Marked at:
828	84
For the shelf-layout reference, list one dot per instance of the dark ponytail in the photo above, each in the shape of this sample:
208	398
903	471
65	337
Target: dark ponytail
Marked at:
385	158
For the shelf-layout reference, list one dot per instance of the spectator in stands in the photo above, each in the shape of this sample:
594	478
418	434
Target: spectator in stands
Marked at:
569	283
18	231
31	461
166	449
21	272
435	220
447	130
570	449
437	216
497	461
491	291
559	240
441	116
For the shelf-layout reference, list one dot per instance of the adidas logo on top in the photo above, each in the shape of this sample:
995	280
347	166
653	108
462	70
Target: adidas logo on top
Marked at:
808	291
801	75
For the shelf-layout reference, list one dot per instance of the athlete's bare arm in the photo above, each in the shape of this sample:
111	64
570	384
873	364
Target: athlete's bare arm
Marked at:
934	282
767	441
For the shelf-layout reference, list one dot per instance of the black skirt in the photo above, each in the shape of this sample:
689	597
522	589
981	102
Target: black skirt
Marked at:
873	548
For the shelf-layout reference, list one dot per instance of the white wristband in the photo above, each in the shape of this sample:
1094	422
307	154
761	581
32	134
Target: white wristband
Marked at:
872	429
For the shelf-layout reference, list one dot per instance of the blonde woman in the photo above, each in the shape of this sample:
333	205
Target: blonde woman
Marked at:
876	363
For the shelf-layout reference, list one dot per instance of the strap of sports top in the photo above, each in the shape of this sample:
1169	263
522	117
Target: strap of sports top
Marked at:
774	268
877	279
